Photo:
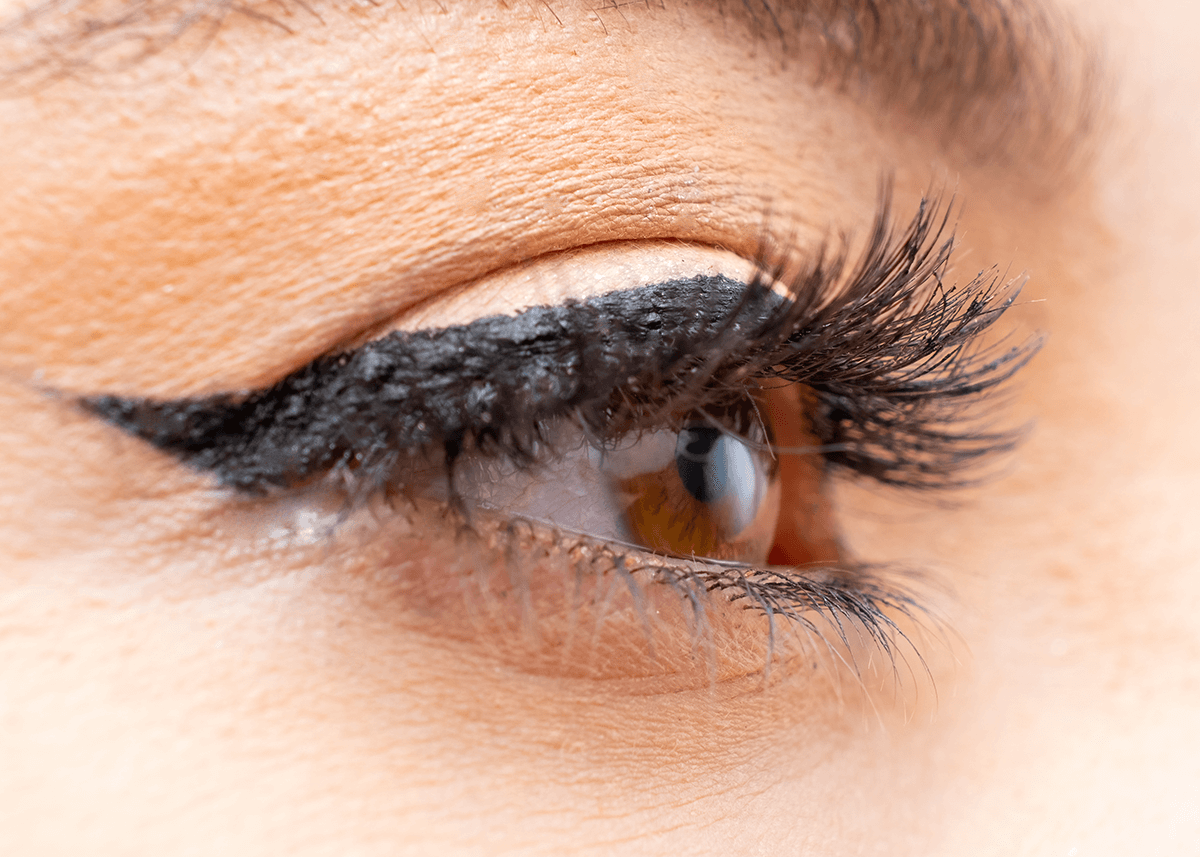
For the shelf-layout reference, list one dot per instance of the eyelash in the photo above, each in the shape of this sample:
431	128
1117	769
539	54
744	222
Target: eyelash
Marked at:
895	361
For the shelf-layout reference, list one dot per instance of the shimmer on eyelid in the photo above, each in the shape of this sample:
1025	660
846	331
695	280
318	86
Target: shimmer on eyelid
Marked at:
475	382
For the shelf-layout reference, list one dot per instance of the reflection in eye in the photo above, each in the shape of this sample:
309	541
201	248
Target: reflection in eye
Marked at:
893	361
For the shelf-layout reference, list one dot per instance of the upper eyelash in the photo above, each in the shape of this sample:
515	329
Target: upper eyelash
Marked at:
897	358
889	350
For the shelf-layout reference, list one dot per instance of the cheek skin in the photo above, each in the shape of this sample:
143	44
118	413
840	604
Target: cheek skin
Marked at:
292	698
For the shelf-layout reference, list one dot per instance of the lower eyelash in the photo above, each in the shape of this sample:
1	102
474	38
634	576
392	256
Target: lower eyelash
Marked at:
855	617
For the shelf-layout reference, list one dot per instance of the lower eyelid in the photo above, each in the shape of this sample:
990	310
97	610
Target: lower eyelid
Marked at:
537	601
533	599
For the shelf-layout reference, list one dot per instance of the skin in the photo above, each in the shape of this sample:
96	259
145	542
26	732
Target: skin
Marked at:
171	681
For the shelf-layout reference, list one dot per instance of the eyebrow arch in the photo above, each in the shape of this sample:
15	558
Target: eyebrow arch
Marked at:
1014	75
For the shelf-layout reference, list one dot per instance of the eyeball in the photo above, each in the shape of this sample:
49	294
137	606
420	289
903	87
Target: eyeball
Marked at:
704	491
707	487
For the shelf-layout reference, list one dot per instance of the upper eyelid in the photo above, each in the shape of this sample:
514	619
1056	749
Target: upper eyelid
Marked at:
500	379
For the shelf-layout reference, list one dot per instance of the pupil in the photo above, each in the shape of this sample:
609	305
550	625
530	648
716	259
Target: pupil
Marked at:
701	459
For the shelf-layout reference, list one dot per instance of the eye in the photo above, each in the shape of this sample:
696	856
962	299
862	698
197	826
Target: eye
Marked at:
705	486
677	432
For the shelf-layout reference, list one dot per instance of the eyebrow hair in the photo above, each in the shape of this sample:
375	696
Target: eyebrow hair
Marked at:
1010	77
993	77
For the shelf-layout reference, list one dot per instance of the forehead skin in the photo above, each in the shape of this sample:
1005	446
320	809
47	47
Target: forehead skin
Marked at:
277	168
164	688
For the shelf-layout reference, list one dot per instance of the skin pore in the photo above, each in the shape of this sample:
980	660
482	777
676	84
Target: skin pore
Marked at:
173	681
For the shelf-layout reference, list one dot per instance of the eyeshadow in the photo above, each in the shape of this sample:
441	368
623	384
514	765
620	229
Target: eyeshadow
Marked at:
494	380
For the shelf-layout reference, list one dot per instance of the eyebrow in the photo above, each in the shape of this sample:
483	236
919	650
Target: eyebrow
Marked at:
1013	77
1008	74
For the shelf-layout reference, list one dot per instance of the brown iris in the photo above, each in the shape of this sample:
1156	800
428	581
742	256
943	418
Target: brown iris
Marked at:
708	489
